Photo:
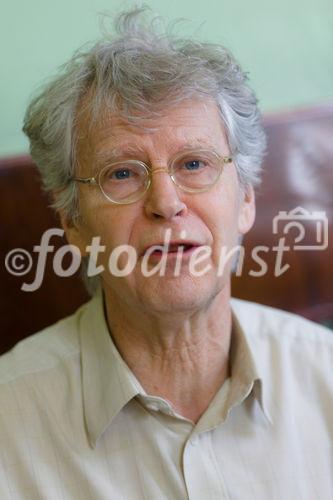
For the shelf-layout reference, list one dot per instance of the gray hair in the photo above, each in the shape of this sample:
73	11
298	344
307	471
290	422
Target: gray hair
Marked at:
140	70
139	73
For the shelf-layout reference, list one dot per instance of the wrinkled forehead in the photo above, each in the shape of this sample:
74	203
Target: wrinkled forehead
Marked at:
193	122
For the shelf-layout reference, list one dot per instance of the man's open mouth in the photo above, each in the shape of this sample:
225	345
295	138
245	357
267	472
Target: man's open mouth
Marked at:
172	249
175	248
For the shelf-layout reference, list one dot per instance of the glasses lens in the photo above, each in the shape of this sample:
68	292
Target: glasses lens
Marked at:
124	182
196	170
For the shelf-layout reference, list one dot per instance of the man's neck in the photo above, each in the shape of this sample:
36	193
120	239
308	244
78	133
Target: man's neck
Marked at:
184	362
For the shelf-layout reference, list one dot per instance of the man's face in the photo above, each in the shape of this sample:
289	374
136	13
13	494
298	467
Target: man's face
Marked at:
214	218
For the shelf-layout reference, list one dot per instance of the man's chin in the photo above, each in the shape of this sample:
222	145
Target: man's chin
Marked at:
183	293
169	293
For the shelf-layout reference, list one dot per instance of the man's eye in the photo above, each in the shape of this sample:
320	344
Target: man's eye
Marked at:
119	174
193	165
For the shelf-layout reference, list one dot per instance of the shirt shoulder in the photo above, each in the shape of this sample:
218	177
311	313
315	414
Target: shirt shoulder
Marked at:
43	350
285	342
263	321
294	359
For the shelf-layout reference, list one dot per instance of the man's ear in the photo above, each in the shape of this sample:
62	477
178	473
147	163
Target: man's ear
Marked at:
247	209
74	231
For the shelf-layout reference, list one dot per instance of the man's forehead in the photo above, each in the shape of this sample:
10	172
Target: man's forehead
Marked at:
194	123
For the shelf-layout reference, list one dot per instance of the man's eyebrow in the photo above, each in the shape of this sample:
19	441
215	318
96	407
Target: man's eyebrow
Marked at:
134	151
117	153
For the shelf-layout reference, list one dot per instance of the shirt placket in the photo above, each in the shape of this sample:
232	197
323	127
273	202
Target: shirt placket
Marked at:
202	478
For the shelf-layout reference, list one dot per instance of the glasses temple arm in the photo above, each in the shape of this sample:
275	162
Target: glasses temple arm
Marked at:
85	180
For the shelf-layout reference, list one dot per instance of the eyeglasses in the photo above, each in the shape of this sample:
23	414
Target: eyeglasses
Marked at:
126	181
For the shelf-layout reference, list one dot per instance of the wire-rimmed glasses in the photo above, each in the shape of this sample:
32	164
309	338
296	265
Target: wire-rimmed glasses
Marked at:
126	181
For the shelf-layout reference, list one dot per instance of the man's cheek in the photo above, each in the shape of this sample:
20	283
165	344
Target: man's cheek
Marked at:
117	257
225	245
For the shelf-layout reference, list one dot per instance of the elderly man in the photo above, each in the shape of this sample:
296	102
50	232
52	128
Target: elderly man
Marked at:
162	386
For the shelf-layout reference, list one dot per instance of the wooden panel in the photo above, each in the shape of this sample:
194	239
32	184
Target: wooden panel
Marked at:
298	172
24	217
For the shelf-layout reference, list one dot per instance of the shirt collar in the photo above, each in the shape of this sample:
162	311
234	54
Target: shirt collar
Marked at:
246	379
108	383
247	363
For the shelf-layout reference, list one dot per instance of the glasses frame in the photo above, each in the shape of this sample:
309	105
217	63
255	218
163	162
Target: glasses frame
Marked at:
95	180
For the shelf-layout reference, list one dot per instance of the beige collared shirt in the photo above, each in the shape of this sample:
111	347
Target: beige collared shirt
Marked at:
76	424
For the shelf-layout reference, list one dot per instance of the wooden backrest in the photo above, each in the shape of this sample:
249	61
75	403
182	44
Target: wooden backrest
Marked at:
298	172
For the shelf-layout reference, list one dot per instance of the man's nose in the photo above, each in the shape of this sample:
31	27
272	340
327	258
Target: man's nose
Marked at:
162	200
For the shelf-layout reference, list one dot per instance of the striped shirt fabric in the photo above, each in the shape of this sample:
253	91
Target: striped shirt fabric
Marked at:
76	424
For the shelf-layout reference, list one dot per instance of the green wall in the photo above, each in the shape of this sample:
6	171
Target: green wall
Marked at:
285	45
